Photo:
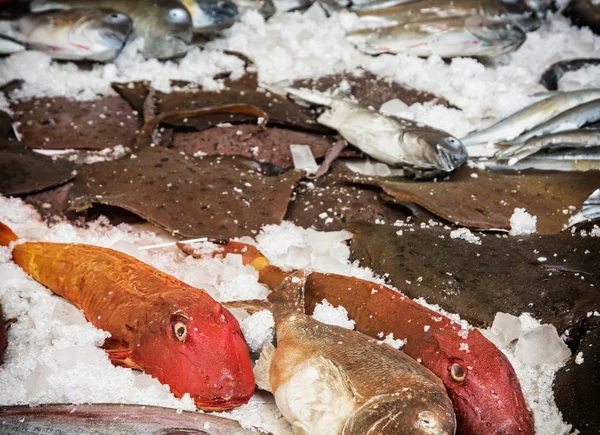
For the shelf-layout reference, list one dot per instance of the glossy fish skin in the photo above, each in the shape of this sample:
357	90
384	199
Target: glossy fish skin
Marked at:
554	73
423	150
474	36
328	380
10	45
96	34
165	25
531	116
211	15
158	324
111	419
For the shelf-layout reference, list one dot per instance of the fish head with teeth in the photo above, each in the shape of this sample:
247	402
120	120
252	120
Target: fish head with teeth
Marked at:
433	152
196	346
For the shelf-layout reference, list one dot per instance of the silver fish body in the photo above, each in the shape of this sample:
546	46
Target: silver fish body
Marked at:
211	15
563	159
475	36
422	150
111	419
590	211
165	25
531	116
95	34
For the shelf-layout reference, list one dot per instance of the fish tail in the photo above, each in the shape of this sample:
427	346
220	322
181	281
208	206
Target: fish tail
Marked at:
7	236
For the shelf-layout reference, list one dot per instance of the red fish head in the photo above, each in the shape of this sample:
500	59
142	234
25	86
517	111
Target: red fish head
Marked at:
195	346
483	386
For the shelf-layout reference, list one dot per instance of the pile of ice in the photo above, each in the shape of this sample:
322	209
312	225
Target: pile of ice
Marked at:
327	313
465	234
522	223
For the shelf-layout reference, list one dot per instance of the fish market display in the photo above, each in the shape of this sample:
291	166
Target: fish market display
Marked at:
531	116
111	419
553	74
475	36
158	324
96	34
211	15
420	149
165	25
329	380
3	335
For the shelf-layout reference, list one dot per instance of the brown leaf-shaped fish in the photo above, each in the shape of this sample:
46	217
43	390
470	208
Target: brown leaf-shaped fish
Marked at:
24	171
214	197
554	277
488	201
61	123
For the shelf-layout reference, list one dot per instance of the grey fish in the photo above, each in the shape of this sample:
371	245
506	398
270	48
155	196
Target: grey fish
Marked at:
531	116
264	7
328	380
573	118
553	74
211	15
96	34
10	45
579	138
474	35
165	25
564	159
420	149
590	211
111	419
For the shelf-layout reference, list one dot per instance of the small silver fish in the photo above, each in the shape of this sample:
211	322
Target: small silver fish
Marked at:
328	380
165	25
590	211
95	34
531	116
474	35
420	149
562	159
111	419
211	15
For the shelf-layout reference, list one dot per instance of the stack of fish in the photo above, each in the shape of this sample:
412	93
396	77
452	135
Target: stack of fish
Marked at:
478	28
97	30
562	131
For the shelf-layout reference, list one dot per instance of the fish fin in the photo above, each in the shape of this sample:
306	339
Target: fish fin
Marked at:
251	306
119	353
290	293
7	236
263	367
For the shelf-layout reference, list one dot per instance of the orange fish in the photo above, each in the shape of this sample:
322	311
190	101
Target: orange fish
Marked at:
158	324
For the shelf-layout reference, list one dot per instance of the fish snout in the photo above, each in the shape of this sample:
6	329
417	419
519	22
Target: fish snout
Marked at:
451	153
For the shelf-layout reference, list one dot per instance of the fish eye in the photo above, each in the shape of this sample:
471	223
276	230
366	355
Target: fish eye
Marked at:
427	419
180	330
116	18
178	15
457	372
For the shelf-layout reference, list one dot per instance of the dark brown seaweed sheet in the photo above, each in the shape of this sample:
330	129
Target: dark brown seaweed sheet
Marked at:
505	273
219	197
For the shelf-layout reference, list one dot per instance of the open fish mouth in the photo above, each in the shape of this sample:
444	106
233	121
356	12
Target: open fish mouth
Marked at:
447	161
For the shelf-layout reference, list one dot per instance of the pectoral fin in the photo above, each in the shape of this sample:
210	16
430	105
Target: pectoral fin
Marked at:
119	353
263	367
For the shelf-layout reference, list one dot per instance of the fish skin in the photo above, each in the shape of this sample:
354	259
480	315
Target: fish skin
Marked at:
96	34
100	419
143	308
554	73
211	15
530	116
328	380
474	36
590	211
421	149
165	25
10	45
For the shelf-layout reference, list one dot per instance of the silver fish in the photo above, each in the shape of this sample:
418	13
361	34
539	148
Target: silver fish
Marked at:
531	116
328	380
590	211
165	25
10	45
211	15
423	150
573	118
474	35
111	419
553	74
264	7
568	159
95	34
579	138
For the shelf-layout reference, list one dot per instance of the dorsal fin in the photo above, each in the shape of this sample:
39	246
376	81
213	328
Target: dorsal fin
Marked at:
7	236
290	293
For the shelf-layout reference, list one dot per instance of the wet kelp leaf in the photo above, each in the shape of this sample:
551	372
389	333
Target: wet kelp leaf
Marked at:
577	386
370	89
219	197
488	201
60	123
271	145
554	277
24	171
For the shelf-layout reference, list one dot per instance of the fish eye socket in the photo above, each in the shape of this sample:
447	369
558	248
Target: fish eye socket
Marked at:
457	372
427	419
116	18
180	330
178	15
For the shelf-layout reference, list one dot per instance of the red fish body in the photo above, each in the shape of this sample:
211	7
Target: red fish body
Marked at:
158	324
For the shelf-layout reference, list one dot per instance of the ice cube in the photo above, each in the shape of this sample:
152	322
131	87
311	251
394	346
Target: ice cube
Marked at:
393	107
258	329
304	159
541	345
298	257
506	326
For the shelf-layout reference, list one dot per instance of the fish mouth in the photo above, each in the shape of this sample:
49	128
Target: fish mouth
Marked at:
214	16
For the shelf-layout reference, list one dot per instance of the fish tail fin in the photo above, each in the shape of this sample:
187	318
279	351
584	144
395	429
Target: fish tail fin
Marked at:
263	367
7	236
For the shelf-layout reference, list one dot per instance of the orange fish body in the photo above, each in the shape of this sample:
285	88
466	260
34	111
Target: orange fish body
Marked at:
158	324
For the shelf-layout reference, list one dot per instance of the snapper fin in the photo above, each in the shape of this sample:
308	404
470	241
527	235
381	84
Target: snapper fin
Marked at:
119	353
263	367
7	236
